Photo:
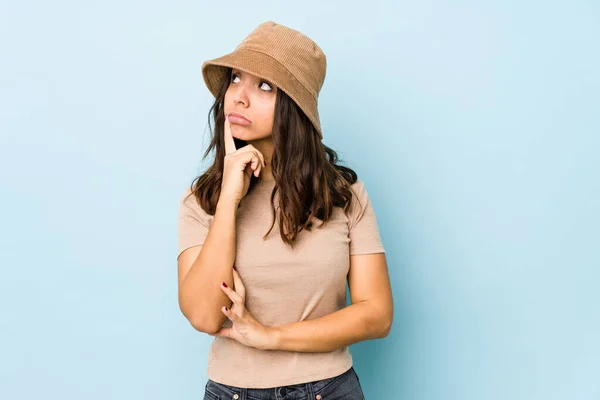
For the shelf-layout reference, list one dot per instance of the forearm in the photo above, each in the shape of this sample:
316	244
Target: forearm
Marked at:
352	324
202	297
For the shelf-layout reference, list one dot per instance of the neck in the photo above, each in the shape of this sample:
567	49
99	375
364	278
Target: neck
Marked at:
265	147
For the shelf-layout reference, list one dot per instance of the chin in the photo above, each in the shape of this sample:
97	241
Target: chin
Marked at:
243	133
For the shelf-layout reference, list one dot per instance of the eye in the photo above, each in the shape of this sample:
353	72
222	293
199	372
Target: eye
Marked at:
268	85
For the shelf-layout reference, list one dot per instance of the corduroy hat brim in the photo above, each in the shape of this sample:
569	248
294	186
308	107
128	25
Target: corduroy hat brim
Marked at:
264	66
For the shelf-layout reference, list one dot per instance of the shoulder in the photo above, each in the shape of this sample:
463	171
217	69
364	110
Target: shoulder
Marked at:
185	194
358	187
188	200
359	200
190	207
359	191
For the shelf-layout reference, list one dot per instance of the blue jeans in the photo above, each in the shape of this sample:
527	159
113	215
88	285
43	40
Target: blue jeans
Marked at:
342	387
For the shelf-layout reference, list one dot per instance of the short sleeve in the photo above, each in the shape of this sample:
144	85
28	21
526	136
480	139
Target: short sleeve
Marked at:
362	223
193	223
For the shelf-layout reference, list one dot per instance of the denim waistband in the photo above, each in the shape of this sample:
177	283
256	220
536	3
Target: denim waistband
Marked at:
346	384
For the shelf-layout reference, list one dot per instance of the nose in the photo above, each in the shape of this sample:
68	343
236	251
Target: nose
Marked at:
240	94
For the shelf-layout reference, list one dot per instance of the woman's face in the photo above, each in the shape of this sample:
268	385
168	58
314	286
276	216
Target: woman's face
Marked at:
254	99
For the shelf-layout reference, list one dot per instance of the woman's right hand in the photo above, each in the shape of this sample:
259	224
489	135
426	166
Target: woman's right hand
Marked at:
238	166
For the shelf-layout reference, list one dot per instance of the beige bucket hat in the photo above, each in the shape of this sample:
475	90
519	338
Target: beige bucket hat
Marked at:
282	55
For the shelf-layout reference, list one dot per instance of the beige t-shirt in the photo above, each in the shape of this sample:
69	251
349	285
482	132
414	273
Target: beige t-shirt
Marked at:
284	285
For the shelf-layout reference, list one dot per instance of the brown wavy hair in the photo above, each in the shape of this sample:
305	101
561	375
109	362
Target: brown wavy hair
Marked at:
308	179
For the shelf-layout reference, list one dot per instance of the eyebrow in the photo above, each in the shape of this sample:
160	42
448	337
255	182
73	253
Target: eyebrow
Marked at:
240	72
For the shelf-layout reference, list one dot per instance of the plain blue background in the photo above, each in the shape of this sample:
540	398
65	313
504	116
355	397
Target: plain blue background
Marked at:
475	126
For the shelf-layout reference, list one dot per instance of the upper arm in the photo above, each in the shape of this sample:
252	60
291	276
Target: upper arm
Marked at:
368	277
184	263
192	228
368	281
193	223
362	223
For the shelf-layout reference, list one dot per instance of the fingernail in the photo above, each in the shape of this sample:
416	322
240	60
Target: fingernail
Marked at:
234	268
224	284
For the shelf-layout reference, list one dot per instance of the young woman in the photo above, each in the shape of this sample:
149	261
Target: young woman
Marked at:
272	231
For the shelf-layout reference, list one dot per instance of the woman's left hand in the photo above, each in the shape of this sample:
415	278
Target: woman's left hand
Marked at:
246	329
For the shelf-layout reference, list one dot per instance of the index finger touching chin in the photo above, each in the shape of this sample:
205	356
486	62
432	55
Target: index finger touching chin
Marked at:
229	142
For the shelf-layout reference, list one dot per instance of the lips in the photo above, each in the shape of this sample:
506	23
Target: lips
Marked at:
238	116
